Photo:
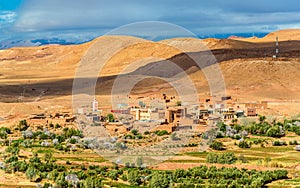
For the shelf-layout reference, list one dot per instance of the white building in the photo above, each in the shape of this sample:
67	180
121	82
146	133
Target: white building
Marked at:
95	105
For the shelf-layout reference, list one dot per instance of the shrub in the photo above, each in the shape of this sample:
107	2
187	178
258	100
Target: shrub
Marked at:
13	150
23	126
134	131
31	173
161	133
223	158
279	143
68	133
73	141
244	144
134	177
92	182
5	129
159	180
138	136
110	117
293	142
129	136
57	126
217	145
11	159
178	103
275	131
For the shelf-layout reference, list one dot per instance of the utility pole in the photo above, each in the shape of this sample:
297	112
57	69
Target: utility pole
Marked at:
277	48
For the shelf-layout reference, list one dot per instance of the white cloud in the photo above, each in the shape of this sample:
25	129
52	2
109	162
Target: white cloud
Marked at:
7	17
201	17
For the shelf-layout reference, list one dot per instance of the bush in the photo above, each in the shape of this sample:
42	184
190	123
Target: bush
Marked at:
73	141
59	147
134	131
129	136
217	145
293	142
3	135
134	177
138	136
11	159
31	173
159	180
223	158
61	181
57	126
13	150
68	133
23	126
161	133
47	185
110	117
279	143
244	144
6	130
92	182
275	131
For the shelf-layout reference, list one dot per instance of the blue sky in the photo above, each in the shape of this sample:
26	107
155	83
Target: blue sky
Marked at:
84	19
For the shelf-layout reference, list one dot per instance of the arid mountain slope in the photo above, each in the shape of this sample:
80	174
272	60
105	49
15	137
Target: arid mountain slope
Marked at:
45	74
283	35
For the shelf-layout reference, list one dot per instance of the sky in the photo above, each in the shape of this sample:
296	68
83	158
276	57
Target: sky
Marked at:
85	19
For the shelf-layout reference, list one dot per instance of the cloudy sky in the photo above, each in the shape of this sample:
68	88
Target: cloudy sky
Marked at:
82	19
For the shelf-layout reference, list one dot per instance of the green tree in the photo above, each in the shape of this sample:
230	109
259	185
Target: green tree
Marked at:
134	178
275	131
244	144
217	145
13	150
113	174
159	180
110	117
134	131
92	182
23	126
262	119
31	173
61	181
48	157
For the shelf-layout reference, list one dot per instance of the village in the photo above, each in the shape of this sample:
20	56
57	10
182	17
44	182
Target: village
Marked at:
151	114
167	113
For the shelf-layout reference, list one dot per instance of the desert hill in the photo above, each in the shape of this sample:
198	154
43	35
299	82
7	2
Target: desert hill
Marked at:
39	76
283	35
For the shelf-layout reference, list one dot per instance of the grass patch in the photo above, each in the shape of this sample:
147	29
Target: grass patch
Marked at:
273	149
197	154
44	151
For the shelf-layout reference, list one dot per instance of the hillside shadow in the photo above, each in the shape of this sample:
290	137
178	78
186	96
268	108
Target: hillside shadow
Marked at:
183	61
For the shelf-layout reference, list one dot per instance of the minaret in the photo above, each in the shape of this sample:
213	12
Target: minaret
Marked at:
95	105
